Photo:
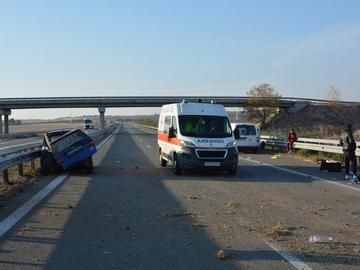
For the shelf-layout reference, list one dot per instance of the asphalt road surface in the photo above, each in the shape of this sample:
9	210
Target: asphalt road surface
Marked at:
133	214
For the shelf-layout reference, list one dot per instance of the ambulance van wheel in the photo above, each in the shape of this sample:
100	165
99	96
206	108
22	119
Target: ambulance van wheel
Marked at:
177	169
232	171
163	162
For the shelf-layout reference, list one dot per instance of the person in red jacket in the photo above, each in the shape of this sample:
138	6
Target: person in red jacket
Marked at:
291	139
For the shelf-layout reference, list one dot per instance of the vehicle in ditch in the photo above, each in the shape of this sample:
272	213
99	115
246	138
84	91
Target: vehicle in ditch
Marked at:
67	149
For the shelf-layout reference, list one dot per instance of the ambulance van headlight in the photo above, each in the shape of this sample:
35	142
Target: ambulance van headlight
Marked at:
185	143
231	144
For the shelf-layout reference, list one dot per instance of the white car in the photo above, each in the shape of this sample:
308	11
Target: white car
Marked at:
249	136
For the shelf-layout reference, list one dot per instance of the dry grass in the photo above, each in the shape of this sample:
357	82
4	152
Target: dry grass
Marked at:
43	126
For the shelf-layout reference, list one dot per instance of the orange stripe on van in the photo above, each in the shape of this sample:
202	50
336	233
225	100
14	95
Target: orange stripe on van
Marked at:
165	138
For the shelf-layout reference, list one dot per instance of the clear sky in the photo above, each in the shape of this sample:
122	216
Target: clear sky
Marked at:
187	47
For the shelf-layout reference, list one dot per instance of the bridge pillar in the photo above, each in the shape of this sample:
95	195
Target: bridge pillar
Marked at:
6	124
102	117
5	113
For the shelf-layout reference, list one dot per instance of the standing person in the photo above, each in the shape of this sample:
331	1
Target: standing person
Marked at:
292	137
348	143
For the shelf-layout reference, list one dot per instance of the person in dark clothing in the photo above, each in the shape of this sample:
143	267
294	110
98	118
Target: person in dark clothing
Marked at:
348	144
292	137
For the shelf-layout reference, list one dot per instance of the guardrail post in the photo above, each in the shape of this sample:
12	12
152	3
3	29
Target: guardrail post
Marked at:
6	176
21	169
32	164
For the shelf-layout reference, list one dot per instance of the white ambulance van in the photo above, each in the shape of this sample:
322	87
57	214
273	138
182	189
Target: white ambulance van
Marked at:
196	136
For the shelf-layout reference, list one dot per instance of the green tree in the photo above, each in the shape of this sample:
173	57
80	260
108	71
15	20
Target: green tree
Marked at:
263	103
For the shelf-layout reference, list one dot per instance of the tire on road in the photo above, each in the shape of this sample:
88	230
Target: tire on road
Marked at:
177	169
163	162
233	171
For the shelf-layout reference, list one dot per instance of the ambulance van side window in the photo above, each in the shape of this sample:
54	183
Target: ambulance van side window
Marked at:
173	124
167	124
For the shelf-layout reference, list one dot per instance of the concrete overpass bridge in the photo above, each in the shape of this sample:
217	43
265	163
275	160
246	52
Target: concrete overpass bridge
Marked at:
8	104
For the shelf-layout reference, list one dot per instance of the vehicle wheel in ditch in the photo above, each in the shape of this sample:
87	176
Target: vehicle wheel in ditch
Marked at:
89	167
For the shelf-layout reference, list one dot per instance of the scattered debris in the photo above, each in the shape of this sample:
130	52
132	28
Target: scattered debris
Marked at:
276	156
27	228
198	225
320	239
230	204
192	197
175	215
282	230
221	255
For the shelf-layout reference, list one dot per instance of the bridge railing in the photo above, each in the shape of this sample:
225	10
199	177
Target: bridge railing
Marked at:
321	145
18	156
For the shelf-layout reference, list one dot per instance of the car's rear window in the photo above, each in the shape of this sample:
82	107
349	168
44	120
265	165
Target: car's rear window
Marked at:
246	130
66	142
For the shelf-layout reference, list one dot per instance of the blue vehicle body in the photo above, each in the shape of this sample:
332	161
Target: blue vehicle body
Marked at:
72	148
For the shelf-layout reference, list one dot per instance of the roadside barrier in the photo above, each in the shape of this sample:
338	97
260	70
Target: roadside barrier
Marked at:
329	146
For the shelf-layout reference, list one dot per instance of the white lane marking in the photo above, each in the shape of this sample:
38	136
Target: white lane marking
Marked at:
7	223
104	141
14	217
301	174
148	146
295	261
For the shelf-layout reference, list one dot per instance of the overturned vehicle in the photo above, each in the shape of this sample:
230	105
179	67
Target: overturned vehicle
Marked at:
67	149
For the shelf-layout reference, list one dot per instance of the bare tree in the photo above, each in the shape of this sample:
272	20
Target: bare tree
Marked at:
263	102
334	95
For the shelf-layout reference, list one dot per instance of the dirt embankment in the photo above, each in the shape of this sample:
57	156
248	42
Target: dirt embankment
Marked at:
323	121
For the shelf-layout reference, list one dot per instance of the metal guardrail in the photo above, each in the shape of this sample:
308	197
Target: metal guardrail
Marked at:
24	134
18	149
24	154
329	146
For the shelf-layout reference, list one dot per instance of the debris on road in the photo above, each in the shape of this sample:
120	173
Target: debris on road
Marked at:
230	204
198	225
320	239
221	255
176	215
276	156
192	197
282	230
